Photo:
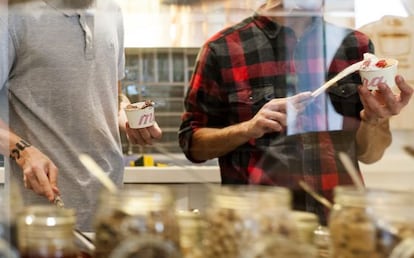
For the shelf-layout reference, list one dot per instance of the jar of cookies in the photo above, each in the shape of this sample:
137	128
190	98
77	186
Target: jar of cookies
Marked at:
147	213
46	231
370	223
240	217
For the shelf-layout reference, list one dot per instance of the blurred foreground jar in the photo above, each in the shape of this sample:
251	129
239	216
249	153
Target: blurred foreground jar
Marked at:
8	242
241	218
191	224
312	233
46	232
11	203
370	223
307	223
146	214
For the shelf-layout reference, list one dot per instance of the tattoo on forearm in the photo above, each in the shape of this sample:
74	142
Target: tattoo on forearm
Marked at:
20	146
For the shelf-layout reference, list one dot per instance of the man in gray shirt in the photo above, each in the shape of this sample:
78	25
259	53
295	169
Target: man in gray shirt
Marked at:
61	62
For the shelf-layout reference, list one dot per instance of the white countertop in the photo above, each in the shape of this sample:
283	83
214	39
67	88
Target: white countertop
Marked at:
170	174
395	171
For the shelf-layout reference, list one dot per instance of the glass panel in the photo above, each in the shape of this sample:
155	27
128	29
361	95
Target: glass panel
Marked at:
131	60
163	67
132	92
131	73
169	120
148	73
178	66
165	91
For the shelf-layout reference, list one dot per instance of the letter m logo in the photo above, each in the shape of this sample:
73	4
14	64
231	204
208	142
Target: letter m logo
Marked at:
147	118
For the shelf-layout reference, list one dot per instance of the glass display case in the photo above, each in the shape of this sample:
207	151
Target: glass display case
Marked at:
262	74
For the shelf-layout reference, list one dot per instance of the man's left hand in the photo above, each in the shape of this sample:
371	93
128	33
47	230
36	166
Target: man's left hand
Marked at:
382	103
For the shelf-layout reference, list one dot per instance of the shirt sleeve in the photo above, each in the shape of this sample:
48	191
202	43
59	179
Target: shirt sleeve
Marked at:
7	52
203	100
121	36
344	96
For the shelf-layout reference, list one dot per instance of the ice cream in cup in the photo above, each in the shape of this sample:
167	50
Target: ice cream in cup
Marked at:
376	70
140	114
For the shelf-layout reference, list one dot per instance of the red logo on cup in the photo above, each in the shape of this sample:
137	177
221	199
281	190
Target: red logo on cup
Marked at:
145	119
374	81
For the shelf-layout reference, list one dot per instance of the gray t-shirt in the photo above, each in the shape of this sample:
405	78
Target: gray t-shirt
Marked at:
61	83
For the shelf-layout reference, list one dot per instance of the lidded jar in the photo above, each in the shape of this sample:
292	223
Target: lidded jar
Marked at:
370	223
238	217
147	212
46	232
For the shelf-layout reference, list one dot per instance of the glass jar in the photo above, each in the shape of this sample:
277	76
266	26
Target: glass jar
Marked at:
239	216
191	227
46	232
11	203
370	223
307	223
7	228
147	212
276	246
145	248
322	242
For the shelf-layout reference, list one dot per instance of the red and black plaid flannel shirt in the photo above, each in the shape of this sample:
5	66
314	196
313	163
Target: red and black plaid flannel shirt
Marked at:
241	68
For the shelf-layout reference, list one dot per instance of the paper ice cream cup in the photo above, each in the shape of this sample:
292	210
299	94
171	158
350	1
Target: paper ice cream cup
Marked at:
139	117
383	75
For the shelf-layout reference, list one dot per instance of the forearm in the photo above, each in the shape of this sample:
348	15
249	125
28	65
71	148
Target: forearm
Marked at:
12	145
372	140
209	143
4	142
8	139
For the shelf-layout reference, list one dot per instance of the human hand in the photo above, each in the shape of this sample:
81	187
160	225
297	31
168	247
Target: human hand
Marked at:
144	136
272	117
39	172
383	103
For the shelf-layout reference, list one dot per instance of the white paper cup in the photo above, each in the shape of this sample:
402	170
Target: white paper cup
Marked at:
138	117
385	75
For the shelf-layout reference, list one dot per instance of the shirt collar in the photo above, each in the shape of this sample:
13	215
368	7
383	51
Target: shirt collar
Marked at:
60	6
271	28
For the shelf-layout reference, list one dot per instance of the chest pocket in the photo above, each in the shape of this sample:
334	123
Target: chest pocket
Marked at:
345	99
247	100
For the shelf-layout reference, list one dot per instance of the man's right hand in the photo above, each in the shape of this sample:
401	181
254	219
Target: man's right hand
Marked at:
272	117
208	143
39	172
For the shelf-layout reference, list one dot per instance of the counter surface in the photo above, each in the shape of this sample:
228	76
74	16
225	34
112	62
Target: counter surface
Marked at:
393	171
171	174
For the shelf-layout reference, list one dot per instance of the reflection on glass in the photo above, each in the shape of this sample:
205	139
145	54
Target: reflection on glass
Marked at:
178	66
163	67
148	67
131	74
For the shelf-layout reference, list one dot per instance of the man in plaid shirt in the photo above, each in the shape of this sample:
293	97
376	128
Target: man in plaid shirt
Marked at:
249	104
